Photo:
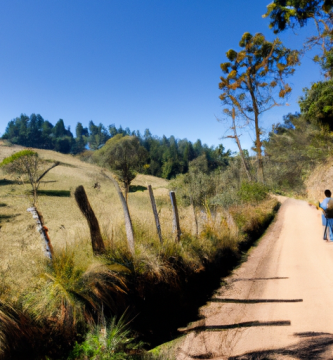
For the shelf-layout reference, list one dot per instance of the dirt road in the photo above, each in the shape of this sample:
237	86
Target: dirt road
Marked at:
278	304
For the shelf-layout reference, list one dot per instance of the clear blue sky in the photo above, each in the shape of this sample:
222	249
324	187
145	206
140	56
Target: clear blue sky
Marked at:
137	63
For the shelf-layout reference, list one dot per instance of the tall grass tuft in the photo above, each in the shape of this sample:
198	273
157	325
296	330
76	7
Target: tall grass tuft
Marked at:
69	294
110	342
20	336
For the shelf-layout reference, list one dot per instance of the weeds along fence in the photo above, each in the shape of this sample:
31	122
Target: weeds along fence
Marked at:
160	276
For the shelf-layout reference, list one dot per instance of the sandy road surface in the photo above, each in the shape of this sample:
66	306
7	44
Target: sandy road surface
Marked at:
278	304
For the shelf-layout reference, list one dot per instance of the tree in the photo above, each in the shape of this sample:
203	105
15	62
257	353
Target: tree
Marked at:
60	131
64	144
81	131
17	130
286	14
81	139
235	136
251	77
28	165
189	154
98	135
113	130
197	147
317	104
124	156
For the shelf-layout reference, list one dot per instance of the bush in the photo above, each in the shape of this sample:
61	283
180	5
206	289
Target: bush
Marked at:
113	342
252	192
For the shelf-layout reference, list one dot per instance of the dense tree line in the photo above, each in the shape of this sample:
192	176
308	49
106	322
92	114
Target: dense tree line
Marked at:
36	132
166	156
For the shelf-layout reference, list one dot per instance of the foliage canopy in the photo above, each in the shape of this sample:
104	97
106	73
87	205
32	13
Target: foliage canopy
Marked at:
317	104
289	13
286	14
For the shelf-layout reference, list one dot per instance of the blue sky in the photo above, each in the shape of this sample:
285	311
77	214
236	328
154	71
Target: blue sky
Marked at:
140	64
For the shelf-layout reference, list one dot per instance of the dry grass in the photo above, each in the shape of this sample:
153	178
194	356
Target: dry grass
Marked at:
61	214
72	292
21	246
21	249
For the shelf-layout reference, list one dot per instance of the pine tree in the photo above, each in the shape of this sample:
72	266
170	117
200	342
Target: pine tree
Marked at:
250	78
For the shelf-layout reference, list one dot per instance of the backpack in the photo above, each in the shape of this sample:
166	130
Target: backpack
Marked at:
329	209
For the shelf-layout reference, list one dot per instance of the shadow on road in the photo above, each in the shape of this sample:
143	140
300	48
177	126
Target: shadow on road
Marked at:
260	279
312	346
200	326
255	301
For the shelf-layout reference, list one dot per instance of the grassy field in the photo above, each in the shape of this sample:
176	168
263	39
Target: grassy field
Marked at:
73	292
62	215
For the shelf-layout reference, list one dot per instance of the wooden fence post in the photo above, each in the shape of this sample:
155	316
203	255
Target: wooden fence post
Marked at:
42	230
176	226
153	205
95	232
128	222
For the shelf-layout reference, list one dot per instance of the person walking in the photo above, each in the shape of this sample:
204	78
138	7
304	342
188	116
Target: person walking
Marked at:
327	216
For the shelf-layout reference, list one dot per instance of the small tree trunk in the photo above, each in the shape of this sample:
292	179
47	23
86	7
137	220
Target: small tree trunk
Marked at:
126	192
153	205
259	153
176	226
95	232
34	194
243	159
128	222
260	174
239	145
195	217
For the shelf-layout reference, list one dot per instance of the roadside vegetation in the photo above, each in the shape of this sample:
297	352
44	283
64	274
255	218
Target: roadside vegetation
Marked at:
78	297
88	304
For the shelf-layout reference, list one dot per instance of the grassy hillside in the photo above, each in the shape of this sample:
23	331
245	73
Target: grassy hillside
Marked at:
159	282
19	239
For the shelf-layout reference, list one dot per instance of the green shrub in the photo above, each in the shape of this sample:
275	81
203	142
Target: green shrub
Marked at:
112	342
252	192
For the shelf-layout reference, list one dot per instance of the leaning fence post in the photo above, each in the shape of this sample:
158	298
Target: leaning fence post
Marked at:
153	205
42	230
95	232
176	226
128	222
